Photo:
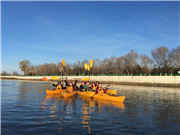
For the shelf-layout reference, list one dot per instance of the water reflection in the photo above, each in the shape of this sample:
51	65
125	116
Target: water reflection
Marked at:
26	109
64	109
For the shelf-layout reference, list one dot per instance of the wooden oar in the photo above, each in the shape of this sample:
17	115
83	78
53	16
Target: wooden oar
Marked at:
93	93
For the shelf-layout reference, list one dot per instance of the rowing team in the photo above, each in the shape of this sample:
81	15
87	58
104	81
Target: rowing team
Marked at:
85	86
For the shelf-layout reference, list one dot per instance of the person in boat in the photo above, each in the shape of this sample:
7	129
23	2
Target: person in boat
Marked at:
70	88
74	84
58	86
66	83
93	87
87	86
100	90
97	84
81	86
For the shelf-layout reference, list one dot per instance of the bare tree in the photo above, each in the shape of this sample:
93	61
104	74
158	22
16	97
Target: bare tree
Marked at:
121	65
15	73
146	63
4	73
161	58
24	64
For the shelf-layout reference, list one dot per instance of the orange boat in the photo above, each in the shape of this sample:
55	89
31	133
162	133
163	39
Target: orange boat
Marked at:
111	98
102	102
56	91
110	103
90	94
66	94
87	94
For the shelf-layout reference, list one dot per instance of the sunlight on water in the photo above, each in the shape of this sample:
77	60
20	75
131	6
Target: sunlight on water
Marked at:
26	109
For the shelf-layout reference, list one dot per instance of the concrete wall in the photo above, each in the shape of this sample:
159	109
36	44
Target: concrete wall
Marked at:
130	79
139	79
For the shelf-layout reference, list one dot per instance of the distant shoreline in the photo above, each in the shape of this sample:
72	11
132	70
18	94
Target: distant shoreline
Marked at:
109	82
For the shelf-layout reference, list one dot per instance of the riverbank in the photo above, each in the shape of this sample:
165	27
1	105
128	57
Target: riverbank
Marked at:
160	81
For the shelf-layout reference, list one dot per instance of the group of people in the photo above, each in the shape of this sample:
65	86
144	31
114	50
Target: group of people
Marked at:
85	86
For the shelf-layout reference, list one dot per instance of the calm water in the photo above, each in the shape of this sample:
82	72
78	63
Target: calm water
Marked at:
27	110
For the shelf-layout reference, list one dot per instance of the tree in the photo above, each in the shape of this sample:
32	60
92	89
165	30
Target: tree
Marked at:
24	64
15	73
121	65
146	63
4	73
161	58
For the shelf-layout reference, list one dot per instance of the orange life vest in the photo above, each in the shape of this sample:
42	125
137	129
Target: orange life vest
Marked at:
100	90
59	87
94	87
70	89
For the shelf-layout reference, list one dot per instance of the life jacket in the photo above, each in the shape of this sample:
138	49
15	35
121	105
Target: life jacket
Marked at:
93	87
59	87
99	90
70	89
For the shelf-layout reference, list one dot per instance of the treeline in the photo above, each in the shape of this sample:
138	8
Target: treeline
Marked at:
162	60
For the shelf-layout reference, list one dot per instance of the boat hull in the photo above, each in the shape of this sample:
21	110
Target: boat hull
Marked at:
65	94
110	98
54	91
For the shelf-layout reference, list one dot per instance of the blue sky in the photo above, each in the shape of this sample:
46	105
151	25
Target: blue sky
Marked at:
48	32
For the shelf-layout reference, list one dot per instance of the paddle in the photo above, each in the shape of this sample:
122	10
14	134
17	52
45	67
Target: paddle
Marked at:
63	62
93	93
62	71
91	64
88	67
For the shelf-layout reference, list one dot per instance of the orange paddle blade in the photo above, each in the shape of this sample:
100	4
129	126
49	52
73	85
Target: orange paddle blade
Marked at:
63	62
88	67
91	62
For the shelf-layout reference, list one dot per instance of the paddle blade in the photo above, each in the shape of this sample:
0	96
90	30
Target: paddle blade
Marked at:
55	78
85	66
85	79
61	68
92	94
88	67
91	62
63	62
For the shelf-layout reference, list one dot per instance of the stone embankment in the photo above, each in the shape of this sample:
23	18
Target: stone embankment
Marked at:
164	81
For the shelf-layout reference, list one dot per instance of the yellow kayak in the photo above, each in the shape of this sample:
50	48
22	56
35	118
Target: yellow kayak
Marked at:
88	93
108	97
54	91
66	94
112	92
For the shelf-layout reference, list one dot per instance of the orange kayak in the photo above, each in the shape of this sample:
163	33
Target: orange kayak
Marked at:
54	91
90	94
111	98
66	94
87	94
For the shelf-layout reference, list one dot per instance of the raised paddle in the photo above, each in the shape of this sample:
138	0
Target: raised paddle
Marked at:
91	64
63	62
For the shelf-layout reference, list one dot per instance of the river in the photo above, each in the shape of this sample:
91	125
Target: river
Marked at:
27	110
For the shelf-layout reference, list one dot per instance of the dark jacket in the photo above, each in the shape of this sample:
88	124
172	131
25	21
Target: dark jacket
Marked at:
74	85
